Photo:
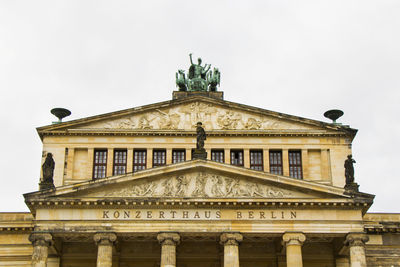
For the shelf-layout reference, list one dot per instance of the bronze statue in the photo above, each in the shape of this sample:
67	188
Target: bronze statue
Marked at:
349	169
48	169
181	80
201	136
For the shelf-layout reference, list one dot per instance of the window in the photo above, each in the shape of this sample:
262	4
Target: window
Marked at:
178	155
275	162
237	157
159	157
218	155
139	159
295	169
119	161
100	163
256	160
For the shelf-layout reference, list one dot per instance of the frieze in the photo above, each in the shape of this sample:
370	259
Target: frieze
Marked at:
185	117
200	185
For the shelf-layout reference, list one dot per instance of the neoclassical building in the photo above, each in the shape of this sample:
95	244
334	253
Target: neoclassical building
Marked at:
127	191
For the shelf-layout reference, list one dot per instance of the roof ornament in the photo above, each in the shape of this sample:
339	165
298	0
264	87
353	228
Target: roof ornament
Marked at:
334	114
60	113
199	78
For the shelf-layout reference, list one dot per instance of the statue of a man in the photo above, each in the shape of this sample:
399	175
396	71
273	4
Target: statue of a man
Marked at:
48	168
349	169
201	136
196	70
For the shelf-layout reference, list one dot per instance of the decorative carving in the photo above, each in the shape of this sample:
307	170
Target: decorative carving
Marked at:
126	123
105	238
253	124
199	185
231	239
144	123
356	239
293	239
168	238
229	120
41	239
169	121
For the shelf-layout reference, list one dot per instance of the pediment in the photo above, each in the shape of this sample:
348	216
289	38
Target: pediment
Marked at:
216	115
196	179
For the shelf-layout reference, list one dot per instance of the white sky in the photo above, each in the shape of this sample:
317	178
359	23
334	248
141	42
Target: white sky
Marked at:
296	57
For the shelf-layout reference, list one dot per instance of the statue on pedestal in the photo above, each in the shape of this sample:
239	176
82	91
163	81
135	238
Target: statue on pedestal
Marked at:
200	152
48	172
349	174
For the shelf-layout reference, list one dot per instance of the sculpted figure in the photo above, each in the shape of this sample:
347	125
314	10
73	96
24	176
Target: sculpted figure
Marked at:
349	169
181	80
48	168
214	78
197	70
201	136
216	189
181	185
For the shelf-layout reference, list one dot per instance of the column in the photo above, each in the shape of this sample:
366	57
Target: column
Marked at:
89	170
168	159
246	158
285	161
293	243
41	243
129	160
168	242
325	166
231	248
105	242
70	163
188	153
356	242
149	162
227	153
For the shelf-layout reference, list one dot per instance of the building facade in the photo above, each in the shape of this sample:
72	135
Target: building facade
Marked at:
128	193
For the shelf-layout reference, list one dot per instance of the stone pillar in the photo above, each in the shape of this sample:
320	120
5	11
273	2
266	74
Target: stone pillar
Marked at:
41	243
356	242
89	168
266	160
168	155
227	154
246	158
231	248
105	242
304	159
110	162
293	243
129	160
285	162
168	242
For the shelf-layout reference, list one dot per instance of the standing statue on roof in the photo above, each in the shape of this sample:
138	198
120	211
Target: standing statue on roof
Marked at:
197	70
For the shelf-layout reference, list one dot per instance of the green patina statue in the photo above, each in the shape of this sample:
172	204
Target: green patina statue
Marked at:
199	78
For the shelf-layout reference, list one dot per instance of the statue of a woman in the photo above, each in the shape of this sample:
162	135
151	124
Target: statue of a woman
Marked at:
48	168
349	169
201	136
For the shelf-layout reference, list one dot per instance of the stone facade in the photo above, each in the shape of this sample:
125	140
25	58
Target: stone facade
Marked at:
270	193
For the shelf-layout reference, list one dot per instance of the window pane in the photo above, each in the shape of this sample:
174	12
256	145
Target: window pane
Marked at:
218	156
237	157
295	166
275	162
100	163
139	160
256	160
178	156
159	157
119	161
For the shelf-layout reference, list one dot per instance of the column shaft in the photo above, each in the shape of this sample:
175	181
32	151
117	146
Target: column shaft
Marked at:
357	241
41	243
293	243
168	242
231	248
105	242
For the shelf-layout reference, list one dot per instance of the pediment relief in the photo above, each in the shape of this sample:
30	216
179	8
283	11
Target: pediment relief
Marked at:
198	185
185	117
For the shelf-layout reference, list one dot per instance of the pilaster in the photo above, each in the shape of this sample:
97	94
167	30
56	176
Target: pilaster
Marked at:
304	159
246	158
285	162
169	156
110	162
129	160
266	160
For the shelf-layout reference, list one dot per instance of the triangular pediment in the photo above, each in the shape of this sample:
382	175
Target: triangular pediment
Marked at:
183	114
196	179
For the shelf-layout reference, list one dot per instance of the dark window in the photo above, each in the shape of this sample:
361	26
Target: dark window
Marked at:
178	155
275	162
256	160
99	163
139	159
237	157
119	161
159	157
218	155
295	169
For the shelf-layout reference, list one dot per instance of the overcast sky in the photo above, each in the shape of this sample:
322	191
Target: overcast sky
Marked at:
296	57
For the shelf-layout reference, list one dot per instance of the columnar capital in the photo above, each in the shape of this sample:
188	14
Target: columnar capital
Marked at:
41	239
168	238
232	239
105	238
293	239
356	239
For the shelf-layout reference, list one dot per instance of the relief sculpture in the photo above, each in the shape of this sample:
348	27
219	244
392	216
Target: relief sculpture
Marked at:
200	185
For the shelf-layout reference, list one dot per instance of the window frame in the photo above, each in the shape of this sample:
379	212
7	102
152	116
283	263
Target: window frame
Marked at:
242	158
222	151
275	165
140	165
164	157
118	164
295	164
96	172
254	166
178	151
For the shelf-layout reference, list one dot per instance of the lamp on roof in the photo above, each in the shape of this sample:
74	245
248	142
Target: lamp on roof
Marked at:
60	113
